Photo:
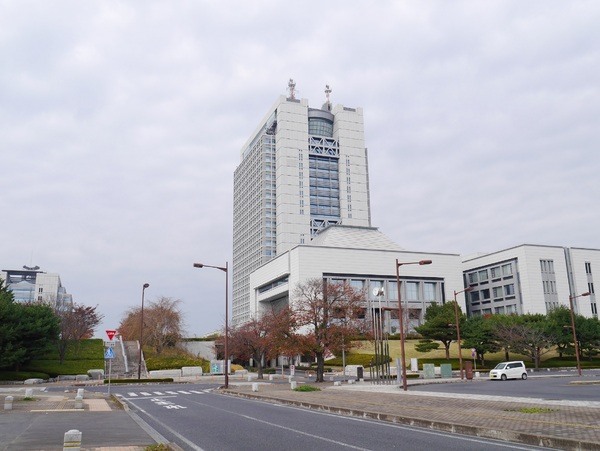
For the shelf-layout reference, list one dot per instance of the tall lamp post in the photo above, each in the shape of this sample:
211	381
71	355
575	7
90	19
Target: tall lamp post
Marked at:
402	353
572	326
146	285
458	329
225	269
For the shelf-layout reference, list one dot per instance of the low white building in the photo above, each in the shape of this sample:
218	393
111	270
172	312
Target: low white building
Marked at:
532	279
365	258
30	284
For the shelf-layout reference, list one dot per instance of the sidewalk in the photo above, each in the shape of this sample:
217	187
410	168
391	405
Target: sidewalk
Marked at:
41	423
553	424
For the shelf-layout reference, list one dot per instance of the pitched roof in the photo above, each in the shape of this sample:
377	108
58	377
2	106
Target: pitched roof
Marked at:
355	238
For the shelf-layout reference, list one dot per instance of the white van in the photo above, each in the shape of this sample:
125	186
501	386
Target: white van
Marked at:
509	370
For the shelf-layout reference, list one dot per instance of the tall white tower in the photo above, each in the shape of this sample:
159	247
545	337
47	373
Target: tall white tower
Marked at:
301	170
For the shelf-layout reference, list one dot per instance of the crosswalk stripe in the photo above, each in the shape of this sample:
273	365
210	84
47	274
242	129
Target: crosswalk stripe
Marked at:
158	393
132	394
171	392
145	393
197	392
184	392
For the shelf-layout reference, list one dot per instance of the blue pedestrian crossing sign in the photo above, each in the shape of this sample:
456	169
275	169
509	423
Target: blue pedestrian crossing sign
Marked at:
109	354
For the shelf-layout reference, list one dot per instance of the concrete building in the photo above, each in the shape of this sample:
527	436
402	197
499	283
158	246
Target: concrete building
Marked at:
532	279
30	284
301	170
302	210
365	258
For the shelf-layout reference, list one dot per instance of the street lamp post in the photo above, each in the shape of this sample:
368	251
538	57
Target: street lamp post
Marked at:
146	285
400	319
571	297
458	330
225	269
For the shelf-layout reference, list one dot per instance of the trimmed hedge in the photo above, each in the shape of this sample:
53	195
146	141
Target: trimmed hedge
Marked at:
176	363
22	375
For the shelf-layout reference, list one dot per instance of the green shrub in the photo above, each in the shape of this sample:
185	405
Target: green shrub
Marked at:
154	363
21	375
355	359
306	388
53	368
135	381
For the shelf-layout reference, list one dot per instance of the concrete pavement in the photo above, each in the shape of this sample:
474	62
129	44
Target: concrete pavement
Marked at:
106	425
572	425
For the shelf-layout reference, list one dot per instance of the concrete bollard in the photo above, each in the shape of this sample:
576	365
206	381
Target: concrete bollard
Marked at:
254	386
293	385
29	393
8	403
270	377
477	375
337	383
80	392
72	440
79	402
351	381
290	379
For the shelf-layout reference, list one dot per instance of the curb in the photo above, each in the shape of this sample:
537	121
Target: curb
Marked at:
496	434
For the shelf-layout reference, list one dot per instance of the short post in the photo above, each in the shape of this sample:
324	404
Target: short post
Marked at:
29	393
255	386
80	392
72	440
79	402
293	385
8	403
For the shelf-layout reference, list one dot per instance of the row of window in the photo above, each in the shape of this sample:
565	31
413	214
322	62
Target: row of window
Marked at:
496	272
498	292
501	310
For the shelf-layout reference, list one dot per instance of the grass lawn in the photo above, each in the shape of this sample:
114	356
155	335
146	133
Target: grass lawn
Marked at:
81	356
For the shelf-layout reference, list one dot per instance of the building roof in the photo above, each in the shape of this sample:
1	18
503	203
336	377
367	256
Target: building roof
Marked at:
355	238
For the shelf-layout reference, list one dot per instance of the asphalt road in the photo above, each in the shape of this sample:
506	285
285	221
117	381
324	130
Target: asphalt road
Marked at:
549	386
197	419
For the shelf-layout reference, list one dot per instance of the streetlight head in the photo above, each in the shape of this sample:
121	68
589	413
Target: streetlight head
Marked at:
146	285
425	262
587	293
198	265
468	289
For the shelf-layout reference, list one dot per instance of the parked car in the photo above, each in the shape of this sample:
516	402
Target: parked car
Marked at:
509	370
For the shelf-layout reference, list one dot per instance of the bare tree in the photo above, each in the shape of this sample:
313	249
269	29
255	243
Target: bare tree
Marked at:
76	321
324	313
163	324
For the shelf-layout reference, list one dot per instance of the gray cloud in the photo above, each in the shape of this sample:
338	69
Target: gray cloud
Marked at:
121	126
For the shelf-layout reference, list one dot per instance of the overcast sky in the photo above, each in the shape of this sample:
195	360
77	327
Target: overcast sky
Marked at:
121	124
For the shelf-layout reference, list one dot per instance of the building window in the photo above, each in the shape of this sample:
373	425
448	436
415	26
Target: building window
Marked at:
40	290
473	278
591	287
485	294
412	291
392	290
496	272
594	310
588	268
357	284
474	296
497	292
507	269
511	309
429	291
483	275
509	290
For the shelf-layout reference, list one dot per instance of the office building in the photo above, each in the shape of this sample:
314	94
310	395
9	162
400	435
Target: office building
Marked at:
302	170
30	284
532	279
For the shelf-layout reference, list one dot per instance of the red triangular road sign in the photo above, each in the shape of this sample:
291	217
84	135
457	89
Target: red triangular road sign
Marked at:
111	333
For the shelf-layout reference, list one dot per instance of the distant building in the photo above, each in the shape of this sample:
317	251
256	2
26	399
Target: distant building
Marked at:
33	285
532	279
